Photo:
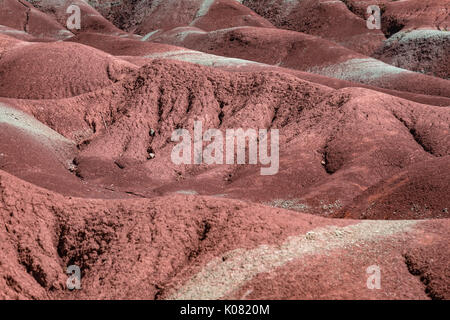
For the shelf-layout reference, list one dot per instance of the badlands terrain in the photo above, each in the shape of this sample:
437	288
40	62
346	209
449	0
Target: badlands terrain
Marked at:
87	178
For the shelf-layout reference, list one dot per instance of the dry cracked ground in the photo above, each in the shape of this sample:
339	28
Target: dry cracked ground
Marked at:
86	176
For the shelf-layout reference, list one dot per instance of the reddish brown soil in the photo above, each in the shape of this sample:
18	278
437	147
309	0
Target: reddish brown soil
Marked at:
424	51
91	19
149	15
406	15
330	20
86	176
299	51
404	262
414	28
22	16
170	239
420	190
69	73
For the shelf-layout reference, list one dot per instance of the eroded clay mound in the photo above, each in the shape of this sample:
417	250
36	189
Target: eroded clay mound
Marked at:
424	51
186	247
57	70
7	41
399	258
149	16
420	191
267	45
416	14
417	33
90	19
87	177
142	51
24	18
304	52
334	144
330	20
405	15
124	46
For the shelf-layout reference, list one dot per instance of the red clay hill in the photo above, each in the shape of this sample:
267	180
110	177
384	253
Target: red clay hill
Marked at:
87	176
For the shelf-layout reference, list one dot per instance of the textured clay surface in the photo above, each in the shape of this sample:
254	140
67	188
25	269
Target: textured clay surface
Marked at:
87	177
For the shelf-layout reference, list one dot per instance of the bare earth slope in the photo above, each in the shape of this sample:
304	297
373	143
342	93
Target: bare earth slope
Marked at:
307	53
228	246
87	177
